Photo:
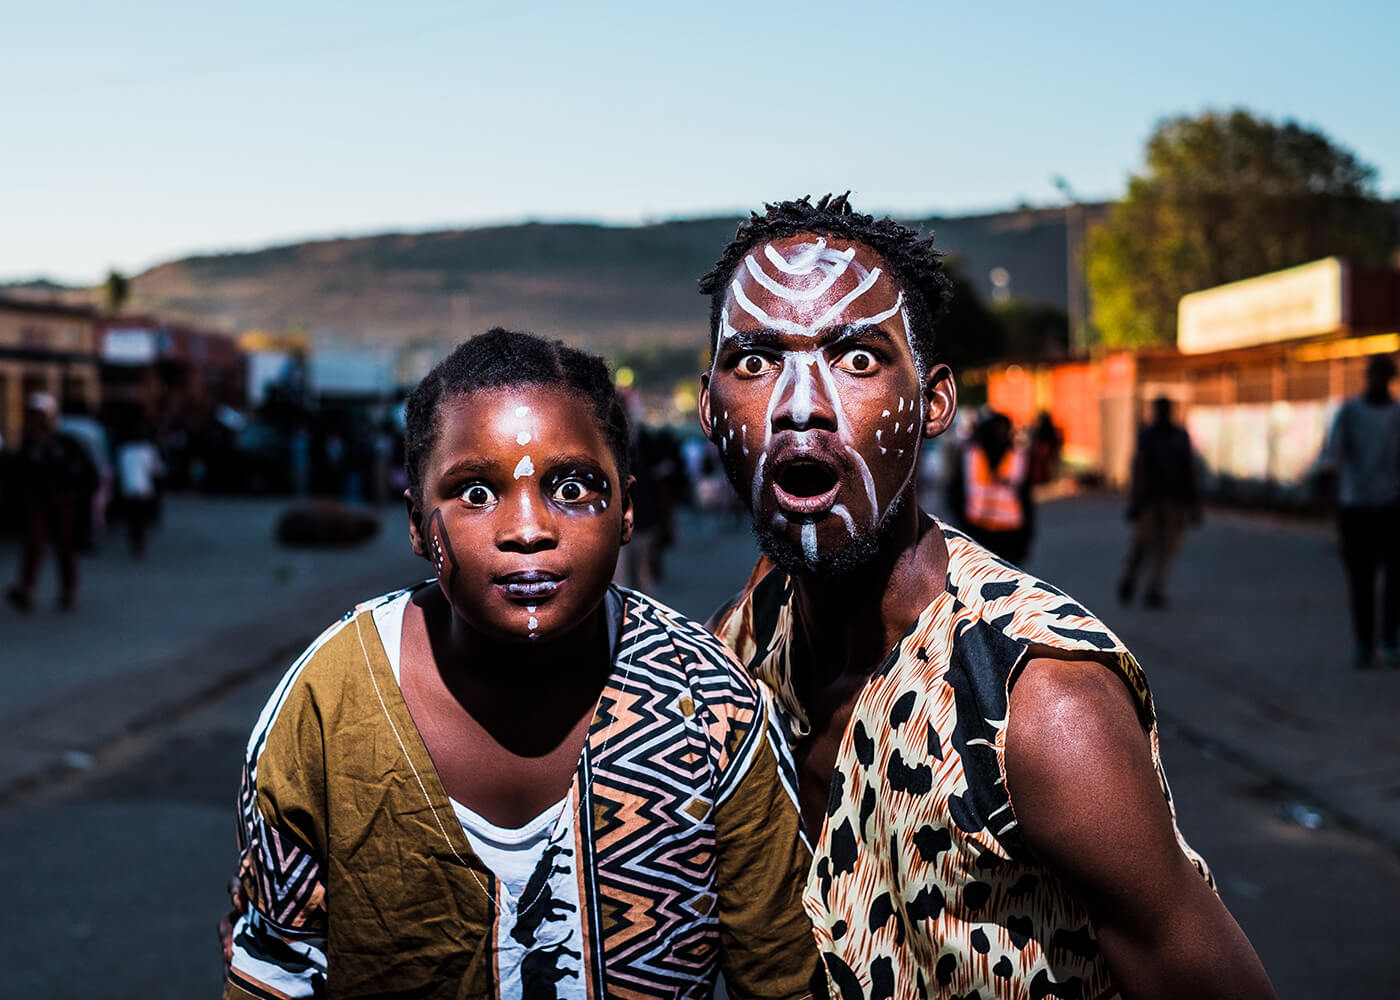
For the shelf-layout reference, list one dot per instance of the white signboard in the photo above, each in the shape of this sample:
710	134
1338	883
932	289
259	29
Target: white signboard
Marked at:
129	347
1301	301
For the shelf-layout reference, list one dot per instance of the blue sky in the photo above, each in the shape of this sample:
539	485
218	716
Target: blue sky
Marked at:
142	131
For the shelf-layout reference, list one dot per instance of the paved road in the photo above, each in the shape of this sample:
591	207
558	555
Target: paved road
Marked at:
116	871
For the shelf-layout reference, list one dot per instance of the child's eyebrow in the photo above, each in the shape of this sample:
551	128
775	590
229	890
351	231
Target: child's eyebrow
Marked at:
553	462
467	466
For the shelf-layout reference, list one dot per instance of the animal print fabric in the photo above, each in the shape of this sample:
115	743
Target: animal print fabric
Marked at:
921	885
678	851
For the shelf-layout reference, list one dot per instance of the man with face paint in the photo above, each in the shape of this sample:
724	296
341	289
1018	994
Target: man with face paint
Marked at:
977	754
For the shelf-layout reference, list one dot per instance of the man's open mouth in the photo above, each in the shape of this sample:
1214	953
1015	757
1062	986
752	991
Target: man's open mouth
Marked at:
806	487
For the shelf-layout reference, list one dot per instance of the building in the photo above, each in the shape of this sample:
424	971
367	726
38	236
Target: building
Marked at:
162	369
44	347
1259	368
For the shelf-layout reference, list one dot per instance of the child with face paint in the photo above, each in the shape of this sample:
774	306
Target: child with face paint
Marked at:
516	779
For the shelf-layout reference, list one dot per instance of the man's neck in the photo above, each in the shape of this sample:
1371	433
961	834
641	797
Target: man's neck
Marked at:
846	625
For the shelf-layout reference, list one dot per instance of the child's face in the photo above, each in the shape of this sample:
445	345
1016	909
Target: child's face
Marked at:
523	514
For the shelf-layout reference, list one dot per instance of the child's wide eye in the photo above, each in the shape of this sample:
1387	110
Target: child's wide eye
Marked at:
477	495
571	491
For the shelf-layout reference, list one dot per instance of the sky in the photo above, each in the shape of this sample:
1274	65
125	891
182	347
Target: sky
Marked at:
143	131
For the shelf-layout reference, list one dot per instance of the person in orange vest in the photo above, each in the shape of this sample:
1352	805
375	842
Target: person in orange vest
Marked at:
996	483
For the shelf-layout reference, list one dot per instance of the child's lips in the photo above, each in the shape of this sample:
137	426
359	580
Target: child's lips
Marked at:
530	584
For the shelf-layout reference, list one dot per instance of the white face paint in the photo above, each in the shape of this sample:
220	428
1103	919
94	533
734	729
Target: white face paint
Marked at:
524	467
523	437
807	272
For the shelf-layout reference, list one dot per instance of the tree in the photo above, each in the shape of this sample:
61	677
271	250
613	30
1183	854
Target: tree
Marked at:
115	291
1227	196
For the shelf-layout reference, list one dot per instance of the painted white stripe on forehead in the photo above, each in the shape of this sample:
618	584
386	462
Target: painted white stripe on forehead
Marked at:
820	323
808	258
834	272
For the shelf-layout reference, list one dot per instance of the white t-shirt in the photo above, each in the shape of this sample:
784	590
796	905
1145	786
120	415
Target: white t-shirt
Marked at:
138	465
512	854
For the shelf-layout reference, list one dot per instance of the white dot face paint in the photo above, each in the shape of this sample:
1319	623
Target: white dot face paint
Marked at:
803	304
522	438
524	467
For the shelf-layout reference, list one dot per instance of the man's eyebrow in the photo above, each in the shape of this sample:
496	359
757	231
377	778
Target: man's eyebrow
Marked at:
856	332
762	337
777	340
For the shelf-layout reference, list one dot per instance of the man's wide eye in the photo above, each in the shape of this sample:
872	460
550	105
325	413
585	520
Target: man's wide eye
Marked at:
753	364
858	361
477	495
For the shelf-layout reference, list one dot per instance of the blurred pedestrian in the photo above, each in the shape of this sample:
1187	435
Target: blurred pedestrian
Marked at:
996	489
1045	447
78	422
139	466
1163	497
53	474
640	559
1363	452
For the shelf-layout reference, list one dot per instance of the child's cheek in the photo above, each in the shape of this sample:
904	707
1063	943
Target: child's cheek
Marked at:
440	548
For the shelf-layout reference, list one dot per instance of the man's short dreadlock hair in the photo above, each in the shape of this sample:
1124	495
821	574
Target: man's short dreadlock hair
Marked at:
916	265
502	359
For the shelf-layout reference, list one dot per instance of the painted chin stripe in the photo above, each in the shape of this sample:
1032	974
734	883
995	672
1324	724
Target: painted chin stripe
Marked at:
840	511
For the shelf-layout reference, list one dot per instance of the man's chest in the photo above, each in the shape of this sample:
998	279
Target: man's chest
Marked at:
817	756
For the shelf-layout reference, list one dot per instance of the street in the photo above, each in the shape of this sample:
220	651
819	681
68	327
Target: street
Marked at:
117	866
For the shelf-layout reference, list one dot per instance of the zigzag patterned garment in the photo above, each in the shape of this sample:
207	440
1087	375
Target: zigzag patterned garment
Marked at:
921	885
678	851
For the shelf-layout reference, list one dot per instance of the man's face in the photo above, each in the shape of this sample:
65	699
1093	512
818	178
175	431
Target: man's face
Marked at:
814	397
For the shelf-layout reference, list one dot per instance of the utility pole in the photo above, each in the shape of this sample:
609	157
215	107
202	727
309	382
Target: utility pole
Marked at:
1074	267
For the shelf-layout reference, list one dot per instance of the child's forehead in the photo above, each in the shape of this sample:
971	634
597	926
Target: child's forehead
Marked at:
485	401
540	409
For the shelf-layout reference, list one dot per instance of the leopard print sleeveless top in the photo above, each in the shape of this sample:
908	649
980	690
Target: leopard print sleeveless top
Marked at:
921	885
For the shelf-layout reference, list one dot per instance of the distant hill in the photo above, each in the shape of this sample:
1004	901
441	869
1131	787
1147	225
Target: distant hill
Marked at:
608	286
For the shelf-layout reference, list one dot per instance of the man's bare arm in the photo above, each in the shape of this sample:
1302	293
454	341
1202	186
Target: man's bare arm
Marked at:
1080	774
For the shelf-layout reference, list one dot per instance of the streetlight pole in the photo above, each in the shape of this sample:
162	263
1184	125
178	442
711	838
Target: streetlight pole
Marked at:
1074	266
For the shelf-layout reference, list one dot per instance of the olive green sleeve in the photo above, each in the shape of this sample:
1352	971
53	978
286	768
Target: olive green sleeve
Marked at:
766	942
